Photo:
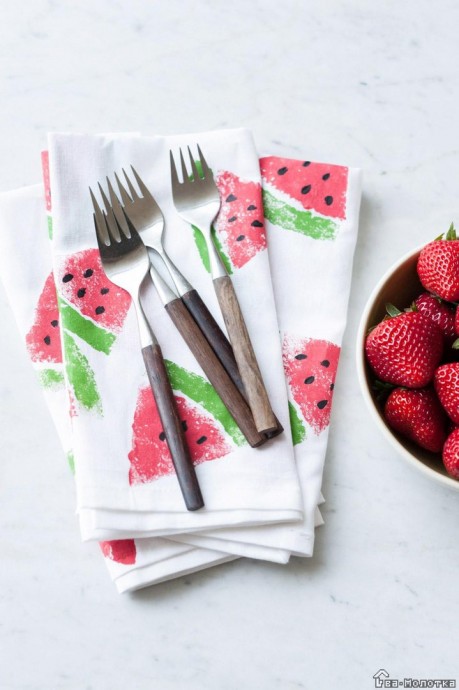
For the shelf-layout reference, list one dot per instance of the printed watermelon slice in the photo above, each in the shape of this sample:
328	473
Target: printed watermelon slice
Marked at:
304	197
43	340
120	550
150	457
240	223
310	368
81	281
316	186
46	179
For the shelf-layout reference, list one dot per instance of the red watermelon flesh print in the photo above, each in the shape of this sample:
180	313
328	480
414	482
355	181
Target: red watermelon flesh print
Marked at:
120	550
82	281
316	186
43	340
310	368
240	223
150	458
46	181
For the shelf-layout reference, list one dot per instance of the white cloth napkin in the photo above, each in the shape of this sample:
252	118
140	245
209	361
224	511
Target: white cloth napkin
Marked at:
298	228
116	479
311	214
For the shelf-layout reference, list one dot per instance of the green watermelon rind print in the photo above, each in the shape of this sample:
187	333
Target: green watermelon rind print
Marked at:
80	375
71	461
96	337
51	378
199	390
288	217
201	245
296	425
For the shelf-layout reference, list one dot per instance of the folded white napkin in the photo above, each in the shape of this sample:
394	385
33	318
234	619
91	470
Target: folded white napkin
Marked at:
124	476
311	216
299	227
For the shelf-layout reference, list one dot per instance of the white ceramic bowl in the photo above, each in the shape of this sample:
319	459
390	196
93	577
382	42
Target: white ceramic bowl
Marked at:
400	286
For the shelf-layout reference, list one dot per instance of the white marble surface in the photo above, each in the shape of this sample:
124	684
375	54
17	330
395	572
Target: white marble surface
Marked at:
374	85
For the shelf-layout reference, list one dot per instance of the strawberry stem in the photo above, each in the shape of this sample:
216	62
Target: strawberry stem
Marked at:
455	345
392	310
451	234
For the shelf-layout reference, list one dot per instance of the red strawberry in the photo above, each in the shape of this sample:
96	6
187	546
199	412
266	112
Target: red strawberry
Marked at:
405	349
442	314
418	415
451	454
446	382
438	266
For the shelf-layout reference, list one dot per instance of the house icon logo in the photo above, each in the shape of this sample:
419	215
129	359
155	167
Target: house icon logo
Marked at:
380	677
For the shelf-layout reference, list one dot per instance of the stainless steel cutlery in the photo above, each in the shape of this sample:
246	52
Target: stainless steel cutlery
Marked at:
143	213
130	230
197	200
125	261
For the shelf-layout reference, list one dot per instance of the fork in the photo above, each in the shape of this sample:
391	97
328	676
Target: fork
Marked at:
184	322
146	216
197	200
125	261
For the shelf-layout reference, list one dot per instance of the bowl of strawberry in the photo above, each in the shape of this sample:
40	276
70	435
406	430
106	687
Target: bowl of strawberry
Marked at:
408	357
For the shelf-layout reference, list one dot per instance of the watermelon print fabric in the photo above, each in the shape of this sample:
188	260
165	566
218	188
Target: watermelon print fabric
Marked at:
120	550
131	477
310	369
150	458
43	339
239	232
304	197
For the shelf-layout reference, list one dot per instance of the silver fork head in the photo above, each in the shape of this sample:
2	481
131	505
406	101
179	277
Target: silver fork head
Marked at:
141	209
123	254
196	197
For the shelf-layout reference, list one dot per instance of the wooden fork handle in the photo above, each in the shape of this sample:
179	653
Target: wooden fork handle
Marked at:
214	335
257	397
219	343
165	402
214	370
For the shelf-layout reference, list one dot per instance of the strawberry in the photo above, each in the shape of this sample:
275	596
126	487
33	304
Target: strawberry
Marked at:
418	415
451	454
446	383
438	266
405	349
440	313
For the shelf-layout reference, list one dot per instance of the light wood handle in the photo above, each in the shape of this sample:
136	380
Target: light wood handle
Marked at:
257	397
165	402
219	344
214	370
214	335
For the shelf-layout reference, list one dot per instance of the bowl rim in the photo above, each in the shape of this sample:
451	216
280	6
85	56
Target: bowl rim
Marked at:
444	480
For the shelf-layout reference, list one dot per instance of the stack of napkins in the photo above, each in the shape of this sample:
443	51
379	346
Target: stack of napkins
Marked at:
286	232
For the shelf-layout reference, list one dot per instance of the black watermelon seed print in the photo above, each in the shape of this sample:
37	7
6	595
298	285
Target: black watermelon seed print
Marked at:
317	187
310	369
83	283
150	458
240	223
43	339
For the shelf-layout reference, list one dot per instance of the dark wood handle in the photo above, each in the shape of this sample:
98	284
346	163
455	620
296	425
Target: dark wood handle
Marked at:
215	371
165	402
257	397
219	344
214	335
